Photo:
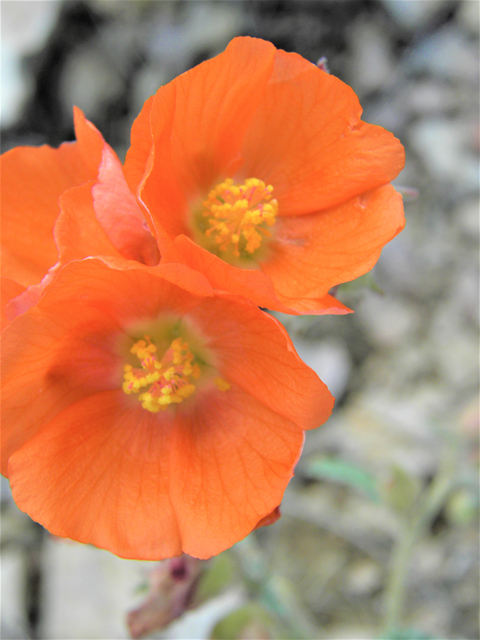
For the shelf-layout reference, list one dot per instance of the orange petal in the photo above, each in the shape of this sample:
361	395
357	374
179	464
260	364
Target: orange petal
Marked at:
90	464
71	350
250	283
115	206
37	380
269	519
10	290
99	473
141	146
314	253
198	122
315	306
119	214
113	476
256	353
78	233
90	142
308	142
33	179
240	457
161	194
31	295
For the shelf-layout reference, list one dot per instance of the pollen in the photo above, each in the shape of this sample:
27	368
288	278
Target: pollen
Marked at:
222	384
239	214
161	382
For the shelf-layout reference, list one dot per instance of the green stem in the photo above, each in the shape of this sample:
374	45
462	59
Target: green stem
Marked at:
274	592
395	591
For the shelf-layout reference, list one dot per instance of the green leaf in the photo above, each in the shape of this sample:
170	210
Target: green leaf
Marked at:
351	475
220	572
235	623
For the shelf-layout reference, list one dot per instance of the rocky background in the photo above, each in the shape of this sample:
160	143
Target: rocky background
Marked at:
379	536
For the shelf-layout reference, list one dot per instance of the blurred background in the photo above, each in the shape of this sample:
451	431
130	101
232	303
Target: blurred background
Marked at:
379	536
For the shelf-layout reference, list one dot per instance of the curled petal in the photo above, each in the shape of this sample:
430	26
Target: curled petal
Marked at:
119	214
269	519
78	232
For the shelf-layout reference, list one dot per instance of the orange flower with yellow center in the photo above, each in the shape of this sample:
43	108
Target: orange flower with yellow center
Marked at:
238	216
255	169
147	414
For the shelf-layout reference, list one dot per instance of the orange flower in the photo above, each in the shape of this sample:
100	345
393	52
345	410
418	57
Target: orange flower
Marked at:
65	204
255	169
149	418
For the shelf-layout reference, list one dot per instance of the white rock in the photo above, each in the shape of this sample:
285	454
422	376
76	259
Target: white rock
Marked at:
90	78
431	98
13	576
363	578
329	359
388	321
206	25
468	218
87	592
372	64
443	144
412	13
25	27
458	362
447	53
469	16
6	492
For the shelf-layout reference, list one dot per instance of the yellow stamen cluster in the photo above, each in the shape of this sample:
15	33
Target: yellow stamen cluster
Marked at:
239	214
168	380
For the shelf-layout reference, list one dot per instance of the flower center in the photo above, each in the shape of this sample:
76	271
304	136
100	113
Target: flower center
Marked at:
239	215
161	382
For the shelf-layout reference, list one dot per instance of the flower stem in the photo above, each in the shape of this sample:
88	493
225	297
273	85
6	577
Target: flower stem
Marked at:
413	529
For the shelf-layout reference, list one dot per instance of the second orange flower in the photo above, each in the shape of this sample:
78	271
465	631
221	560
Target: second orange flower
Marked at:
255	169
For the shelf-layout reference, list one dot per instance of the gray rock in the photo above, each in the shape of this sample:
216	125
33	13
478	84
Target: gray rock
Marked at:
413	13
329	359
13	584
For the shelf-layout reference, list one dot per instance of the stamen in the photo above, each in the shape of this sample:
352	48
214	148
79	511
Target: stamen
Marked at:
240	214
222	384
162	382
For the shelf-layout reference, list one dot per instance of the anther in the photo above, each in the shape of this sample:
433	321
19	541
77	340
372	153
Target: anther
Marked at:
239	215
162	382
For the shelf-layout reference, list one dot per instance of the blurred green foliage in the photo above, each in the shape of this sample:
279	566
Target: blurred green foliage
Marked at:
347	473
